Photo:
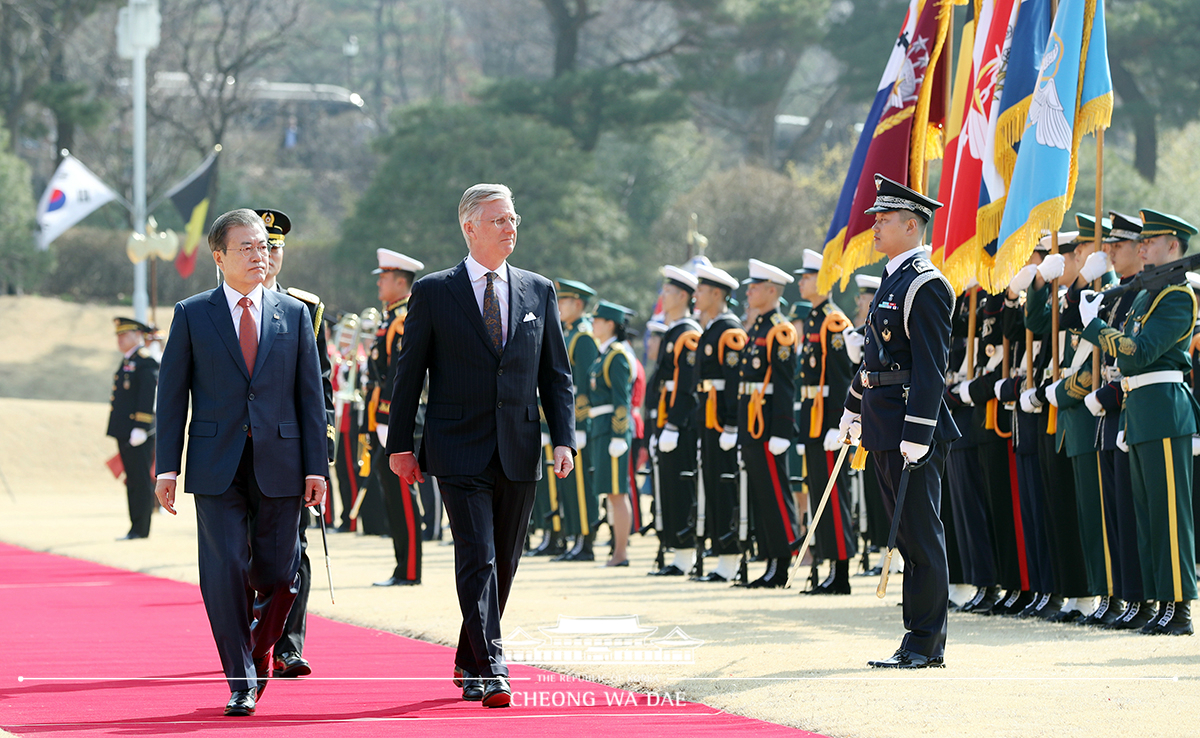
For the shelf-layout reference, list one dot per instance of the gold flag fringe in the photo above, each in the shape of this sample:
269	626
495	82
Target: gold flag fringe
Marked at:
1010	127
830	262
858	253
1015	250
918	149
960	268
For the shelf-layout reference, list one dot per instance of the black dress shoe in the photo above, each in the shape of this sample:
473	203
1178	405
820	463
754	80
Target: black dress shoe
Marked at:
289	665
241	704
472	687
670	570
131	536
262	669
497	693
712	576
458	677
1066	616
397	582
905	659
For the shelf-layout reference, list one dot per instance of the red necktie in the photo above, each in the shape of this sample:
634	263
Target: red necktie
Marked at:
248	335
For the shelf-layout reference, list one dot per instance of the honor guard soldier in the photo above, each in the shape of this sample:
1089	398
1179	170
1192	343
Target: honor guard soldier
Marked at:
1159	420
610	433
896	404
766	387
877	518
396	274
131	421
673	448
719	359
289	661
579	505
825	372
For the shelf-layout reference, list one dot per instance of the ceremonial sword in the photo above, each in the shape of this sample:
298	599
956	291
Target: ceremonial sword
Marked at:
325	546
881	590
812	526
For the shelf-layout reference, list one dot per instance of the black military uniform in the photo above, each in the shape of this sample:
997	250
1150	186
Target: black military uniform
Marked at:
133	391
899	393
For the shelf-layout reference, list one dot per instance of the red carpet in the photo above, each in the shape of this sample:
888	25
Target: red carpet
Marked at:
90	650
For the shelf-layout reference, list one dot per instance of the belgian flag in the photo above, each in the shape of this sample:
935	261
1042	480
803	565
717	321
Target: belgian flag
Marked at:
191	198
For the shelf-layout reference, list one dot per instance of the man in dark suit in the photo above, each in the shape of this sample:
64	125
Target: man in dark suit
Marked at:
131	421
246	358
488	334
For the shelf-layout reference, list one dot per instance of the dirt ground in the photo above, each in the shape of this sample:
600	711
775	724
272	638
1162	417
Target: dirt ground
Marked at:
773	655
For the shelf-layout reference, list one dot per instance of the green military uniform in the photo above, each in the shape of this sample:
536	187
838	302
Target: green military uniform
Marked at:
578	503
1158	420
609	387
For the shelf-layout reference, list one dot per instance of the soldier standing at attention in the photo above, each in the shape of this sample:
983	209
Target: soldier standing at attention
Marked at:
131	421
765	423
1159	421
896	405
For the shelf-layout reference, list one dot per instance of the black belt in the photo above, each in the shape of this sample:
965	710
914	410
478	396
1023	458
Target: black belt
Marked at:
871	380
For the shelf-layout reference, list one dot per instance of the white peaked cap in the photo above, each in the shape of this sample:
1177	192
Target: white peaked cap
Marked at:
1064	237
389	259
681	277
760	271
812	262
656	326
867	282
719	277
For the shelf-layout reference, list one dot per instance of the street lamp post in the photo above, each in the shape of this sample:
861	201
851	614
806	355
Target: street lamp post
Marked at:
137	33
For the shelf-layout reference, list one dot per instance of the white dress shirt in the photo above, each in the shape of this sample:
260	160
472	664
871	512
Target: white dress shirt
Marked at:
895	262
232	296
500	286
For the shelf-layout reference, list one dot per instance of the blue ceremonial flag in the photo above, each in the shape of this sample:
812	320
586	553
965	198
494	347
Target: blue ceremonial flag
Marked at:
1072	97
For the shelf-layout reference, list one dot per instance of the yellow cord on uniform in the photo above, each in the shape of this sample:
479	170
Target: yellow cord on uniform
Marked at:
785	334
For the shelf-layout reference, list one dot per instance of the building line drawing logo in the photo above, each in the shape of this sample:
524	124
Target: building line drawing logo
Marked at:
620	639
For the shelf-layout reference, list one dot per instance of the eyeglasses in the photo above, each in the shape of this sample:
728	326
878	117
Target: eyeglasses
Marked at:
248	252
501	222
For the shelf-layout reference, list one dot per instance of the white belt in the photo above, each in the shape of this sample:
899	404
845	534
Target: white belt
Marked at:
1169	376
810	391
599	410
670	385
1067	371
745	388
712	384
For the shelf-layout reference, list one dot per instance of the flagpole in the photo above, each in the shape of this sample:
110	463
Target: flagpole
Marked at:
1099	237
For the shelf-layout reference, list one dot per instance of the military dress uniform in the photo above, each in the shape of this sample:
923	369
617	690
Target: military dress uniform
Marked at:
1158	421
134	386
609	392
578	501
766	386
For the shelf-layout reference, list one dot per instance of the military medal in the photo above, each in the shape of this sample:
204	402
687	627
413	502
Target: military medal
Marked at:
812	361
755	362
886	334
708	349
126	382
990	350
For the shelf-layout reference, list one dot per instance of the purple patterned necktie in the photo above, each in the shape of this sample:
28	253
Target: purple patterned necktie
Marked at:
491	312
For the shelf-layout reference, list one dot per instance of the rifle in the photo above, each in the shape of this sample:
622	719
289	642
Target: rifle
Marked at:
1154	280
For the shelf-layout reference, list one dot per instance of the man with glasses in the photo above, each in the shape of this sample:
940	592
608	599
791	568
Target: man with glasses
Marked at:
246	359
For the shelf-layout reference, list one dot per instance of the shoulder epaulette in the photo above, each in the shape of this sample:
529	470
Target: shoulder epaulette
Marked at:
776	318
304	296
144	353
618	348
922	265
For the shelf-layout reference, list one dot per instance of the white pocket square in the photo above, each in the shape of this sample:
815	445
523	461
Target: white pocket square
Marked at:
528	317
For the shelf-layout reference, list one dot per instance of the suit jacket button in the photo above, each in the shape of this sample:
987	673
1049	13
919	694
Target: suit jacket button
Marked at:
251	395
499	404
499	372
246	428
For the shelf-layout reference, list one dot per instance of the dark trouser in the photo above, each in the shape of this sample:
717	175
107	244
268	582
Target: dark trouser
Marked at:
1120	525
1004	512
1089	507
292	637
431	505
372	515
139	485
580	506
720	495
877	521
1033	519
922	542
953	559
243	584
404	519
835	538
1161	471
1062	518
677	492
972	529
770	499
346	465
489	516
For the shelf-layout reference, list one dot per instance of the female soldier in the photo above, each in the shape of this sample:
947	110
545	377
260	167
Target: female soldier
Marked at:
609	387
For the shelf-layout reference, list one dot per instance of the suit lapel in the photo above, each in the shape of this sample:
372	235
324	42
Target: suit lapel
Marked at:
516	300
218	311
271	321
460	287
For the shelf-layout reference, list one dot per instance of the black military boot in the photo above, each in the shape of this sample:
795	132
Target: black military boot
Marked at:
583	551
838	581
1096	617
1135	616
775	576
1039	600
1051	607
1174	618
569	549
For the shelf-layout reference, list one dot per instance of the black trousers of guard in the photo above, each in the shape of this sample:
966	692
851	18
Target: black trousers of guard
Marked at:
404	518
720	495
995	458
139	485
877	521
836	538
771	500
489	517
372	515
921	540
953	559
972	528
345	462
249	557
1121	525
678	492
1062	516
1033	521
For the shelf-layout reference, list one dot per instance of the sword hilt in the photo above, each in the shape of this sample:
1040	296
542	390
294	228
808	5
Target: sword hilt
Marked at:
881	590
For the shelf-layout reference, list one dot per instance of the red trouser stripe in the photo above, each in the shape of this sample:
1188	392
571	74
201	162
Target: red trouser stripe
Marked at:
783	513
410	522
352	472
633	493
1022	562
836	504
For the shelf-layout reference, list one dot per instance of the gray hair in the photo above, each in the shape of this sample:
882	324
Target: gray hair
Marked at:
473	199
228	221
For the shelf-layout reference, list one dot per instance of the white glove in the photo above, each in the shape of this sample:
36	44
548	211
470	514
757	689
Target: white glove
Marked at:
545	439
617	447
1121	442
799	449
1195	446
831	441
1029	400
849	428
1089	305
854	344
778	445
580	440
997	387
668	440
381	431
138	436
1093	404
728	438
913	452
1052	267
963	392
1023	278
1052	393
1096	265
